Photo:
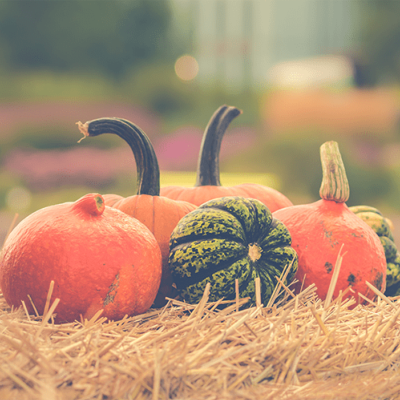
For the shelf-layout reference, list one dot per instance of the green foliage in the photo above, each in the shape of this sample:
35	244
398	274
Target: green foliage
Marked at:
109	37
380	41
295	159
49	85
157	87
7	182
43	138
368	185
49	137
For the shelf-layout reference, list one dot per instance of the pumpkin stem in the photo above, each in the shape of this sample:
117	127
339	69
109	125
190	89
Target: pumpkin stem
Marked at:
208	164
148	171
91	203
335	185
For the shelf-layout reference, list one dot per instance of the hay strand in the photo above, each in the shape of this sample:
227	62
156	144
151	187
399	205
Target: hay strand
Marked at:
48	299
334	278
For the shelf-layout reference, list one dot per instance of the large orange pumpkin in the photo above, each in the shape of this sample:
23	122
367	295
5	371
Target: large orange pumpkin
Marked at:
98	257
319	230
208	185
160	214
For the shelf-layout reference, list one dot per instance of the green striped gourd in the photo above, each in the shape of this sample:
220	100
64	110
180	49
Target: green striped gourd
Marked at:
230	238
383	227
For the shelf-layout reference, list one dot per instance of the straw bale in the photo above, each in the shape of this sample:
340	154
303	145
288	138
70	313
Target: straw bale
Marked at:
297	348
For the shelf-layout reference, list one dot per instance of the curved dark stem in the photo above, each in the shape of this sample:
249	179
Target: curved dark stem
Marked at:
148	172
208	164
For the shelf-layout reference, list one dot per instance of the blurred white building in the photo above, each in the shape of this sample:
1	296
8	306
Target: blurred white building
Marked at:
237	42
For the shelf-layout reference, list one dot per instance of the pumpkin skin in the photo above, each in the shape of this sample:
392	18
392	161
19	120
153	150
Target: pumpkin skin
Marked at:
227	239
98	257
208	185
160	214
383	227
320	229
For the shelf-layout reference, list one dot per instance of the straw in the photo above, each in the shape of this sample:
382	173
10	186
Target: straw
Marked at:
297	348
334	278
48	299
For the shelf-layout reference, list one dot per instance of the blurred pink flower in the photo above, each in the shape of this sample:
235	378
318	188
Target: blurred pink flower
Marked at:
86	165
18	115
180	150
95	167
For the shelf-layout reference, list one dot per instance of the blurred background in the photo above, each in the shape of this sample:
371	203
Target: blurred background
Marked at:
302	71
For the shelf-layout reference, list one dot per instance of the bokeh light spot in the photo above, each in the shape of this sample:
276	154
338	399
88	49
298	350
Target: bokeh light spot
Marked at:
186	67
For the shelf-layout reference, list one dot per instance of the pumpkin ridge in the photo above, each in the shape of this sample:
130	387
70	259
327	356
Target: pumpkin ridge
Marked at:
196	262
251	222
221	284
257	233
262	266
198	238
238	218
200	226
204	274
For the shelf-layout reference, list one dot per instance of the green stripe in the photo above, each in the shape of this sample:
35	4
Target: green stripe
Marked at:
278	235
252	214
264	219
268	285
363	208
249	289
377	222
205	223
393	271
274	262
222	283
203	257
389	247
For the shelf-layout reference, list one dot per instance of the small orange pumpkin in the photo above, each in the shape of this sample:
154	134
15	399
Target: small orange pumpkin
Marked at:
98	258
160	214
319	230
208	185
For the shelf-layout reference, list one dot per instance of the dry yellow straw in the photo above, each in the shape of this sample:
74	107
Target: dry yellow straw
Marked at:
334	279
33	305
258	292
49	293
237	294
277	288
380	294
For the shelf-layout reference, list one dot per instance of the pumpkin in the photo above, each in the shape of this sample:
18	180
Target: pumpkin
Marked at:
160	214
393	276
321	228
383	227
208	185
226	239
98	257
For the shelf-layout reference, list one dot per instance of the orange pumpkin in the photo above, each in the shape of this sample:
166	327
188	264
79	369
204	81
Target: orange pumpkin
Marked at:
208	185
98	258
319	230
160	214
